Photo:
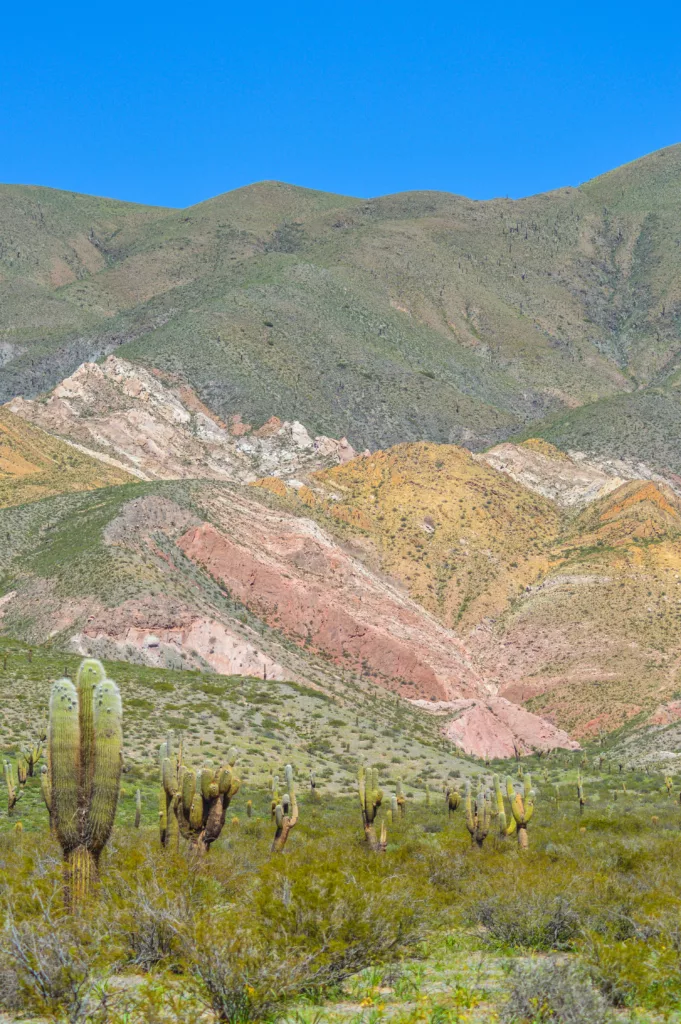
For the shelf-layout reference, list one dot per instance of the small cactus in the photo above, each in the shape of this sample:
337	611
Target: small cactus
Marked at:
13	793
249	808
453	799
22	770
370	799
32	753
669	783
286	813
522	807
478	815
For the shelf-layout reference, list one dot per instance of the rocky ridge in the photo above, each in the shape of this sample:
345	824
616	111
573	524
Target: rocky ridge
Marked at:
157	429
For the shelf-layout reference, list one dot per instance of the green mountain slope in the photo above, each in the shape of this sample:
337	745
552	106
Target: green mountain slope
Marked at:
416	316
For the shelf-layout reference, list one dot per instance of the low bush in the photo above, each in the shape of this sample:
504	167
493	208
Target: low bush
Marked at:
545	992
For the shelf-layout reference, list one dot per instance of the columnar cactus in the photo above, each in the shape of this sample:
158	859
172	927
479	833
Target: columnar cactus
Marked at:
478	815
138	808
669	783
203	802
169	794
522	807
286	813
580	792
506	827
13	793
370	799
275	796
453	798
22	770
84	770
401	799
249	808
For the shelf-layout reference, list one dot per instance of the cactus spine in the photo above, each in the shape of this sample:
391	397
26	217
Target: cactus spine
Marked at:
286	813
522	806
13	794
478	815
370	799
84	770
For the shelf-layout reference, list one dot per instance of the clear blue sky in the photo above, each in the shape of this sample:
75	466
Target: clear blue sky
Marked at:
171	105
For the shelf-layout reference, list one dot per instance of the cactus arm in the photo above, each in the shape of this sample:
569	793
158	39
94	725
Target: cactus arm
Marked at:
65	762
107	751
90	674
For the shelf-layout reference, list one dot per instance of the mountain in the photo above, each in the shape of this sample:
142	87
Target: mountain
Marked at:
420	316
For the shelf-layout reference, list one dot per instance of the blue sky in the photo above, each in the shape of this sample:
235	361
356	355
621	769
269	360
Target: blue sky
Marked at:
171	105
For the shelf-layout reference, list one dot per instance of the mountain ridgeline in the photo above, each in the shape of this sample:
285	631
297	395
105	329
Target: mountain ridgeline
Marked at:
419	316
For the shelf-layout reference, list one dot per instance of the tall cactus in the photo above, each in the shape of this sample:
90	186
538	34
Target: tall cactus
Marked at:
84	770
13	793
138	809
22	770
201	802
370	799
580	792
400	797
478	815
522	807
169	766
506	827
286	813
274	788
669	783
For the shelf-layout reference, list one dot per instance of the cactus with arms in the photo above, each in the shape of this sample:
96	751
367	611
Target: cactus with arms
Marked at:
32	753
478	815
522	807
84	770
13	794
203	801
286	813
370	799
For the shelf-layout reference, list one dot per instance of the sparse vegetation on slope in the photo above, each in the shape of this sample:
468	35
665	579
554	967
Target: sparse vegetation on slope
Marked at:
421	315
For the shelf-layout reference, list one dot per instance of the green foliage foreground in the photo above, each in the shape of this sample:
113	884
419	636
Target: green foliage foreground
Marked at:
244	935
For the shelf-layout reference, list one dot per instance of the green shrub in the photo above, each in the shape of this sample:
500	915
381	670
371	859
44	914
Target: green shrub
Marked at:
545	992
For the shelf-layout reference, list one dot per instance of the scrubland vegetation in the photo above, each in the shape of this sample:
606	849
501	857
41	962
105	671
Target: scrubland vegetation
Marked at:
548	897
